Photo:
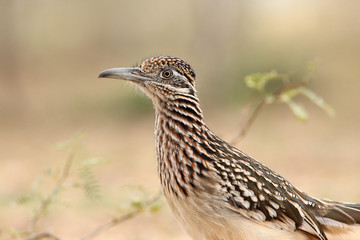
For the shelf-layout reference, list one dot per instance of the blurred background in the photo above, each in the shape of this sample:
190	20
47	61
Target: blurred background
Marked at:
52	51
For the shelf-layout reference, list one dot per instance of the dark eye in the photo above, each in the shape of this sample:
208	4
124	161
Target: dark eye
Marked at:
167	73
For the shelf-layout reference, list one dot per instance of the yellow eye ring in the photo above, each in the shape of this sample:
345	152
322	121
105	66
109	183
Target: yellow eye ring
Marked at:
167	73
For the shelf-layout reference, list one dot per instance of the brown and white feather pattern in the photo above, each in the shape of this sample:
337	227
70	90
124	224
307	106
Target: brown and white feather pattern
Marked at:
191	159
194	161
217	191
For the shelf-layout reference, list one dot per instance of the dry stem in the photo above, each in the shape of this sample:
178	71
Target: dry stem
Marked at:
250	119
45	203
119	219
42	235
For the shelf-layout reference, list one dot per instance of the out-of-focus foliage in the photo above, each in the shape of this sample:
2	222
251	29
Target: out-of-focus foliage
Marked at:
88	179
41	200
135	199
287	91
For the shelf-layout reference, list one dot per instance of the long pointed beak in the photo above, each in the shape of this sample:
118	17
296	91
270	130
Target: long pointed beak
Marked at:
130	74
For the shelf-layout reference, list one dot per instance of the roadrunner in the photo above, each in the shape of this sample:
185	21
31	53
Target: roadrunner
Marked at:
216	191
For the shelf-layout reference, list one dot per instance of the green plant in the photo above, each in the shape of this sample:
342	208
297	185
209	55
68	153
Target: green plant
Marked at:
76	172
273	87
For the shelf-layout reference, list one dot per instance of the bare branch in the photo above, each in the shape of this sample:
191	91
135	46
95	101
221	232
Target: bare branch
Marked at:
290	86
119	219
250	120
45	203
255	113
42	235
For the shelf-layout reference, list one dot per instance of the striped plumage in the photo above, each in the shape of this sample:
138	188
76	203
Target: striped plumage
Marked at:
216	191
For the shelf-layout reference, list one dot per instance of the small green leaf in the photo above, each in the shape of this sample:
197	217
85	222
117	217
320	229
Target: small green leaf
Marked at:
17	234
317	100
258	81
289	94
138	204
298	110
24	199
157	206
89	184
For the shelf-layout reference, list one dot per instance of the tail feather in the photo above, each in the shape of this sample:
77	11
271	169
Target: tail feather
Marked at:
352	210
339	214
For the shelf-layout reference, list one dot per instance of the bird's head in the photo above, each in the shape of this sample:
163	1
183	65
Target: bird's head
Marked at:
161	78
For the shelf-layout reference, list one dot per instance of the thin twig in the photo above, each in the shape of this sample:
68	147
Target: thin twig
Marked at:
254	114
42	235
289	86
119	219
250	120
45	203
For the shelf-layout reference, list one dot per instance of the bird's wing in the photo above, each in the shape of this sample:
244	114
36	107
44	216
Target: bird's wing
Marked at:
256	192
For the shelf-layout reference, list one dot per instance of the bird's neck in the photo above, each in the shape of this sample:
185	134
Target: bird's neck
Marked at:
178	119
182	109
179	132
